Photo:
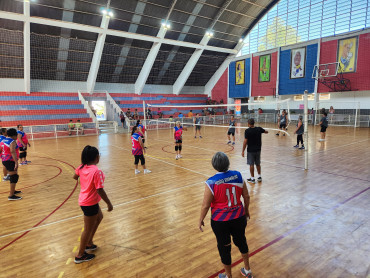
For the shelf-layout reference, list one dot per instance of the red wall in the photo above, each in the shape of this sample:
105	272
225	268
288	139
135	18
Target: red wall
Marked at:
360	80
264	88
219	91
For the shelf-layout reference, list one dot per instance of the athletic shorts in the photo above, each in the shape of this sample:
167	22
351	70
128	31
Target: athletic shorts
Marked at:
122	120
178	141
282	126
22	154
254	158
9	165
141	158
90	210
235	228
323	128
197	127
231	133
23	149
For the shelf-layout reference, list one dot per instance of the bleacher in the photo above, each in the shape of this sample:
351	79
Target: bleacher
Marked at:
43	113
133	102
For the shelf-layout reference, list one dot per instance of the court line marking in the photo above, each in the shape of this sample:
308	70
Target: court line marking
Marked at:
119	205
57	208
28	186
293	230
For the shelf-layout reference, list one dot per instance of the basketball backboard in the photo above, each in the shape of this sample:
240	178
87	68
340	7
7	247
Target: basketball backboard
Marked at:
326	70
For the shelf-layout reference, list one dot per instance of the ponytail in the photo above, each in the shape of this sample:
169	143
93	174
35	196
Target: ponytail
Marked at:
88	155
133	130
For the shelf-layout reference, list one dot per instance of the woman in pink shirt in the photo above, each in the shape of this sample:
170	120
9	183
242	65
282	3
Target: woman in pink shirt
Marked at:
92	191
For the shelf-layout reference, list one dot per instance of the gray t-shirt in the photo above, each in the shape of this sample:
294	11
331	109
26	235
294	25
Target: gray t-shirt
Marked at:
324	121
232	126
197	120
300	130
283	119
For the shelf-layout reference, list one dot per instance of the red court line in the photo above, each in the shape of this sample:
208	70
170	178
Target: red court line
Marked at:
51	213
291	231
60	171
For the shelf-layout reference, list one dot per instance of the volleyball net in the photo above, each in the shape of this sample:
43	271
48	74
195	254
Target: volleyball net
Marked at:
218	115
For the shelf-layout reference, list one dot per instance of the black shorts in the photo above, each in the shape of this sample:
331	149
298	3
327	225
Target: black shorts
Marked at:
282	126
122	120
9	165
231	133
22	154
178	141
323	128
235	228
141	158
90	210
197	127
254	158
23	149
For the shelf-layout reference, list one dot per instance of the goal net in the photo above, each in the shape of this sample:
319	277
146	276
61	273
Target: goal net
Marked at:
339	113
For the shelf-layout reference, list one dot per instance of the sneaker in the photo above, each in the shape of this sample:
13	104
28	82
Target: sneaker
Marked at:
233	143
180	156
246	273
84	258
27	161
7	178
296	146
200	137
277	134
195	137
146	171
22	163
14	198
301	148
251	180
229	142
91	247
259	179
177	157
222	275
17	192
284	134
137	172
321	140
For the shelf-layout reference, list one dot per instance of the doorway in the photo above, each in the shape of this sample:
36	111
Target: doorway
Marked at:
100	109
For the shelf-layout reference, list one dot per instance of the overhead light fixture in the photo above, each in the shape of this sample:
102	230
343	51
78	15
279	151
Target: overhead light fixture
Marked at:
166	24
209	34
110	14
103	11
241	39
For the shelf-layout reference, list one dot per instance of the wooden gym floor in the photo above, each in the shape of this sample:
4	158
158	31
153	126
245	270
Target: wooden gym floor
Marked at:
303	223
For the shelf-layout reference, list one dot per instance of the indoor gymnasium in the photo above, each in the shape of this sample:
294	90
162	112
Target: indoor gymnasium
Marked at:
185	138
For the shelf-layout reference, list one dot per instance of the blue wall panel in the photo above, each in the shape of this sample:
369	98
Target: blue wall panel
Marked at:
239	91
297	86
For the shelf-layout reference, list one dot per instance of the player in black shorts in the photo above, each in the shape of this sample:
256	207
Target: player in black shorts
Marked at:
324	125
231	130
197	121
283	122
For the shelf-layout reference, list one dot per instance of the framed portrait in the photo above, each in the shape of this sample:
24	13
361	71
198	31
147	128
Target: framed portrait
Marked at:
240	72
264	68
347	54
298	63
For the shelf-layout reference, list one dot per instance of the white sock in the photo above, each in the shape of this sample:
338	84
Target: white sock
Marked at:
259	175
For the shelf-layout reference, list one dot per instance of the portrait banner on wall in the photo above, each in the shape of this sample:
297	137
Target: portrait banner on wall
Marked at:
298	63
240	72
264	68
347	54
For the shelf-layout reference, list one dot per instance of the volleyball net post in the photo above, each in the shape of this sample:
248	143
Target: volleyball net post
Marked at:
144	111
305	99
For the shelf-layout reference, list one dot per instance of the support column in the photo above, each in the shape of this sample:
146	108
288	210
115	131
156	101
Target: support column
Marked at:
217	75
147	67
184	75
27	47
95	63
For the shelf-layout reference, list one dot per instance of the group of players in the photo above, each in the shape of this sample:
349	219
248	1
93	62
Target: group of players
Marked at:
13	148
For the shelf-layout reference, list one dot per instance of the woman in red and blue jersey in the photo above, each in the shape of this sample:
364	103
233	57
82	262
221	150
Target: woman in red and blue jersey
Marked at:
177	134
138	150
9	157
2	137
228	215
22	141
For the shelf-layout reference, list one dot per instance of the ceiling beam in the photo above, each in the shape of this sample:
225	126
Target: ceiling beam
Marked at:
111	32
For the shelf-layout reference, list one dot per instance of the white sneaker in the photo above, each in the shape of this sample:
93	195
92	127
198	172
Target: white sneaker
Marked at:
321	140
137	172
180	156
177	157
146	171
